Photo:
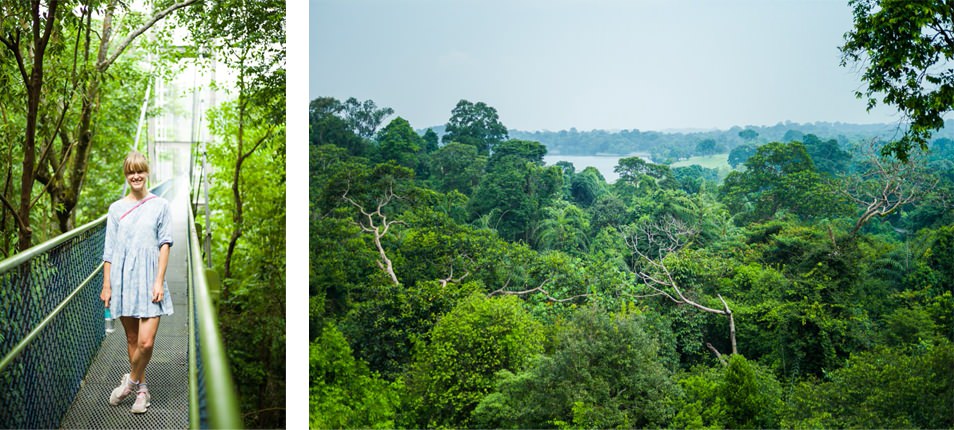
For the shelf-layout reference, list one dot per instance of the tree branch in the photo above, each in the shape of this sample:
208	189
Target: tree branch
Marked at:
886	186
14	46
717	353
104	64
259	142
378	231
539	289
667	286
450	278
16	215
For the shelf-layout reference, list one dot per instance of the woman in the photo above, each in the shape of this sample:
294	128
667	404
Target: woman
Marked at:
135	256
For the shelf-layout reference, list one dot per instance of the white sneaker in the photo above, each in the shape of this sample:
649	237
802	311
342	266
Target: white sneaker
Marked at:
142	400
119	393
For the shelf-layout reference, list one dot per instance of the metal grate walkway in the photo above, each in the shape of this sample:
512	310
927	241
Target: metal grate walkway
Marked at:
168	371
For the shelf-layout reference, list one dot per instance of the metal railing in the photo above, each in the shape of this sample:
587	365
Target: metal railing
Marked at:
51	327
208	365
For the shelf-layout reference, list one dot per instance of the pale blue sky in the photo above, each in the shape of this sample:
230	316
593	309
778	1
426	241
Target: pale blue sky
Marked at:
556	64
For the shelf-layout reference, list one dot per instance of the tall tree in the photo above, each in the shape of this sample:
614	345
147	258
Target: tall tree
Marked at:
29	55
475	124
634	169
828	157
431	141
326	126
905	49
886	185
457	166
604	372
399	142
780	176
249	36
473	342
516	189
63	170
365	117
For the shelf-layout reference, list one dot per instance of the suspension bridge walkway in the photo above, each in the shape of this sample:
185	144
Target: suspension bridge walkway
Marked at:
58	366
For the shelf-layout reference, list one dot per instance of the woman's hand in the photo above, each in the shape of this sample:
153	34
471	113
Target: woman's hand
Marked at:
157	292
106	294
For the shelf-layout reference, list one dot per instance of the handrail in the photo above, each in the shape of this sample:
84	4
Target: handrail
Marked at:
194	415
31	252
223	410
46	321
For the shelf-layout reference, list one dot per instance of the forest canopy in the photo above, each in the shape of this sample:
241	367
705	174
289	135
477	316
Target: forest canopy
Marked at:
462	281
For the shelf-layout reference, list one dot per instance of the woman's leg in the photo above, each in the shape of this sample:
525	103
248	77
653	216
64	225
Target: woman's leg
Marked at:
131	327
143	351
129	384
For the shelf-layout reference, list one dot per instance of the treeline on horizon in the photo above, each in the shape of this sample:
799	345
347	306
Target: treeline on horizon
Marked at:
457	281
666	146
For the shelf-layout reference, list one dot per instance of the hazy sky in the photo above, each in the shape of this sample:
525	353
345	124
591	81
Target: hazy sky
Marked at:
556	64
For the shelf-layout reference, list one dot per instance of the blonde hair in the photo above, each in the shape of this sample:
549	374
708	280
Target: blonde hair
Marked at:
135	162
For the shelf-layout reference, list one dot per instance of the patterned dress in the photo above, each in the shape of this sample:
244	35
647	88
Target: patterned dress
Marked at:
133	238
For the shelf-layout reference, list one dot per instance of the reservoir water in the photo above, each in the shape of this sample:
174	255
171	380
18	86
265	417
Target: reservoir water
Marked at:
604	163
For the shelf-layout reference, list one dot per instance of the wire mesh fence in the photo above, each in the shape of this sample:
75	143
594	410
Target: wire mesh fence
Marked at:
52	327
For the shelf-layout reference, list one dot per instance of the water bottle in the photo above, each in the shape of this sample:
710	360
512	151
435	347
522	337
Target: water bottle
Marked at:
109	321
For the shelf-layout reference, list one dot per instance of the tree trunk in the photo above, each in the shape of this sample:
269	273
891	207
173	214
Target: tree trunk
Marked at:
387	266
67	185
29	155
69	172
728	313
34	85
236	178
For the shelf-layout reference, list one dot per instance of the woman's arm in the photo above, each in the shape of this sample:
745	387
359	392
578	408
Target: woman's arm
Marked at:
157	291
107	292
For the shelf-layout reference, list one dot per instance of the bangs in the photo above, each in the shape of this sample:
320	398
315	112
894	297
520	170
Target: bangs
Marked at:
135	162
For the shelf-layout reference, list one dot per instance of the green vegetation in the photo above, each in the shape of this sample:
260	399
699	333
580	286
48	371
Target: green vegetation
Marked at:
72	76
469	285
904	49
715	161
679	145
248	196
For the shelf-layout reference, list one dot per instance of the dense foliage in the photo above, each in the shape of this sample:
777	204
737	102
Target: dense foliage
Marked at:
247	195
452	286
905	50
670	146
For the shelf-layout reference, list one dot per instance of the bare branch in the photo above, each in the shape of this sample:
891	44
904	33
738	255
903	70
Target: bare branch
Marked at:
660	279
717	353
886	186
379	229
539	289
450	278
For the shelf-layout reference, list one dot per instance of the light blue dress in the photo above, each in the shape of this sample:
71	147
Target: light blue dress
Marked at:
133	237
